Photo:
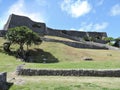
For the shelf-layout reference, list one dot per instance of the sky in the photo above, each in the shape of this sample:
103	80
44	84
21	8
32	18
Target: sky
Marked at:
79	15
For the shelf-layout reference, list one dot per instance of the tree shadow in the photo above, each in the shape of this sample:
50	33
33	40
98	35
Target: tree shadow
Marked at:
9	85
6	86
33	56
41	56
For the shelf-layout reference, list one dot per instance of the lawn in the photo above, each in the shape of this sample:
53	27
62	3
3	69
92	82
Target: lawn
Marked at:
68	58
65	57
65	83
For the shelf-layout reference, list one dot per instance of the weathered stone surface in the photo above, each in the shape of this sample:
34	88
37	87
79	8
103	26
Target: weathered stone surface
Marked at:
2	33
3	81
16	20
101	73
76	35
82	44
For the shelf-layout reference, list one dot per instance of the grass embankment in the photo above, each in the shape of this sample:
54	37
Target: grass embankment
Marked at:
69	58
7	63
65	83
72	58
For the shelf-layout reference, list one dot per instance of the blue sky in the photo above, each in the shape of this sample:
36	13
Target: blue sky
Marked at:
80	15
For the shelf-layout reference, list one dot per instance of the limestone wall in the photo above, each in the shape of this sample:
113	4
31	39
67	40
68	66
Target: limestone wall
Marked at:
89	45
59	33
42	29
101	73
76	35
2	33
3	81
16	20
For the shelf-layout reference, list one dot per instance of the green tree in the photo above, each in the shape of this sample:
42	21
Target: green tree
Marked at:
108	39
22	35
117	39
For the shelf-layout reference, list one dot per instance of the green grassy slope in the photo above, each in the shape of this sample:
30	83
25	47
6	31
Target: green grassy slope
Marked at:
70	57
65	83
67	57
7	63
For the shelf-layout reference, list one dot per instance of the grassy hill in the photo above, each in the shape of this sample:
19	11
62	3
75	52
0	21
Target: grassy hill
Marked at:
68	58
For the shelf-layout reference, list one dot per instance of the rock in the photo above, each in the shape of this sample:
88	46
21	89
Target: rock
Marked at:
88	58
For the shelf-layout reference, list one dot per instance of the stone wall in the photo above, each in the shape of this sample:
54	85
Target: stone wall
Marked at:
101	73
16	20
82	44
41	28
2	33
75	35
59	33
3	81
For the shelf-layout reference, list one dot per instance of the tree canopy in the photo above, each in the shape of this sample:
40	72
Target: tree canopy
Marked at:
22	36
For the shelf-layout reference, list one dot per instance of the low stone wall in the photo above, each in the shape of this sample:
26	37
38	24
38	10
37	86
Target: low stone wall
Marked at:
3	81
101	73
89	45
2	33
82	44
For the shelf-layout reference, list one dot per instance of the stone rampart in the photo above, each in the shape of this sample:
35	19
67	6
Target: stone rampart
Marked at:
41	28
82	44
59	33
42	72
89	45
75	35
16	20
3	81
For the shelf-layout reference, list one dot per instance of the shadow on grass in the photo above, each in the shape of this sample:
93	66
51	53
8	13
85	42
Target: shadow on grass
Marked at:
9	85
41	56
5	86
34	56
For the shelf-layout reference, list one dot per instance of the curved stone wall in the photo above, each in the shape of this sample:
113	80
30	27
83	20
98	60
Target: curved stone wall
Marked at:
41	28
89	45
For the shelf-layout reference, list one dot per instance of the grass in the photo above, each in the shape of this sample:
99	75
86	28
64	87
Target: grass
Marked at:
69	58
72	58
8	63
77	65
65	83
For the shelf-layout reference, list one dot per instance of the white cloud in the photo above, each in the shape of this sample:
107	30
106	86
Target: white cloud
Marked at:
115	10
76	8
93	27
21	8
72	29
100	26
